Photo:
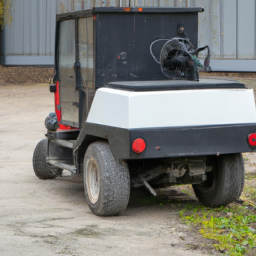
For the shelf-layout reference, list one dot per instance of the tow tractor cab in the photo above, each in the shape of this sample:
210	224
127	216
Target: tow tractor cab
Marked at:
131	111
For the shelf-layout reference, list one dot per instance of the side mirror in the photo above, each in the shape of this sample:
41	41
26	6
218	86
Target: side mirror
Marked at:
52	87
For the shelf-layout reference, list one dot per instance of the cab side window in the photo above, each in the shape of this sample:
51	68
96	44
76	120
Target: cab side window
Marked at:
85	46
69	96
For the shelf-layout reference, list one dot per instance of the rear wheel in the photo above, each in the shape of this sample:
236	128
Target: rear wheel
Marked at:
106	181
224	184
43	170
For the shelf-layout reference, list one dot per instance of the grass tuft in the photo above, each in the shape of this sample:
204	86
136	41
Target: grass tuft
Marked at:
233	228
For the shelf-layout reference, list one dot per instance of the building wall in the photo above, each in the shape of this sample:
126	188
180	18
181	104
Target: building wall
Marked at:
29	38
228	27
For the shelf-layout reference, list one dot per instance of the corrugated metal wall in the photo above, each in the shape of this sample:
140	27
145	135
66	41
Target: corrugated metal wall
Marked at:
29	39
74	5
231	28
228	27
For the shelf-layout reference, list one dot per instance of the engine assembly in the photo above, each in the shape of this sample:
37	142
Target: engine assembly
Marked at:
178	57
180	171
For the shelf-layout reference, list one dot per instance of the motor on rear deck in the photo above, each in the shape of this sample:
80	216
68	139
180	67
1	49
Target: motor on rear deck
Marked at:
178	59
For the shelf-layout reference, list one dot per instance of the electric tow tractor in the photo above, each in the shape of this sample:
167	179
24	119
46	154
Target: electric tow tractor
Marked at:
131	111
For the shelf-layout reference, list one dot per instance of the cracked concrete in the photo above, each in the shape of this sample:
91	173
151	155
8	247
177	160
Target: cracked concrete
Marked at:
51	217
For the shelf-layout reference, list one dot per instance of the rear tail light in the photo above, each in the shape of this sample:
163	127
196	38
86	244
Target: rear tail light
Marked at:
138	145
252	139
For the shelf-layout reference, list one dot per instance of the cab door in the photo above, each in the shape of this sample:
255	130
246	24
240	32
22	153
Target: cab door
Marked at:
69	93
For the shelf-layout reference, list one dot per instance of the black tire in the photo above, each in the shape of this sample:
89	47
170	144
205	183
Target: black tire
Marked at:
42	169
112	180
224	184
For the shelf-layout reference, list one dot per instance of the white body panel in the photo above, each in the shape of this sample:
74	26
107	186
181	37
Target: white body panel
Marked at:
126	109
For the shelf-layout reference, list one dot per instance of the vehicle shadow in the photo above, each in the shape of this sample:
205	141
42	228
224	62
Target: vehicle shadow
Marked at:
139	197
169	195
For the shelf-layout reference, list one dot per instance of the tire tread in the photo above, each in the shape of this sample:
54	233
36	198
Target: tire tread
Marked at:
42	169
228	182
115	181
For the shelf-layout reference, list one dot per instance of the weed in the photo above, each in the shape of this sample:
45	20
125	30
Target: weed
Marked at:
232	229
250	176
229	227
250	193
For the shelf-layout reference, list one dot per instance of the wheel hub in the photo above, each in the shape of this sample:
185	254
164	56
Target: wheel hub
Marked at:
93	181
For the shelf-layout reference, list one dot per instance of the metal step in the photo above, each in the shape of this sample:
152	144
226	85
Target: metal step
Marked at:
68	167
65	143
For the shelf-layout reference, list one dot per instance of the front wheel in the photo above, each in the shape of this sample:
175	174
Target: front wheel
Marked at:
224	184
106	181
43	170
